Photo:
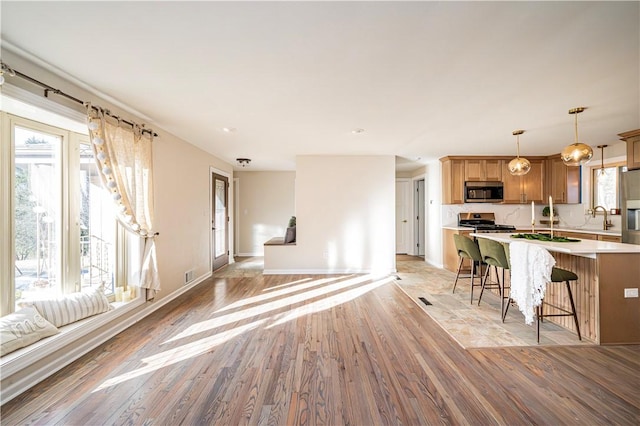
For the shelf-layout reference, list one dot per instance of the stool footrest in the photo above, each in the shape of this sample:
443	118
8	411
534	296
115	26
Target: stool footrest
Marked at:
566	313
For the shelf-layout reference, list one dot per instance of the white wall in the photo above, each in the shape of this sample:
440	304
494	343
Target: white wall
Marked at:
433	200
265	205
345	209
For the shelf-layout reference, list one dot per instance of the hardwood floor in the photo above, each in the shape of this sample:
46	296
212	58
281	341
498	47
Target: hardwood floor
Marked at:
242	348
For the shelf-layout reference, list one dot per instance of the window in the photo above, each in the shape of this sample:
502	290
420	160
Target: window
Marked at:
605	186
61	232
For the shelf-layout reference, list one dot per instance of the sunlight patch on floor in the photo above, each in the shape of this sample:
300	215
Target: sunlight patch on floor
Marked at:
266	307
181	353
330	302
335	290
281	292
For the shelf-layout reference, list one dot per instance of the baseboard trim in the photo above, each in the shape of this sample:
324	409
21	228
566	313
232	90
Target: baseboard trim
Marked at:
436	265
326	272
21	384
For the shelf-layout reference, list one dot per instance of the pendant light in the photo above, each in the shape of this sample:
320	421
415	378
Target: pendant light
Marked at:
602	171
519	166
577	153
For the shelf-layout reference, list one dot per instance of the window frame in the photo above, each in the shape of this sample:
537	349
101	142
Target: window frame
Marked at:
593	179
69	178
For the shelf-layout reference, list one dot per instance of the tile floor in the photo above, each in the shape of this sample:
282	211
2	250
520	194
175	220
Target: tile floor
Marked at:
471	325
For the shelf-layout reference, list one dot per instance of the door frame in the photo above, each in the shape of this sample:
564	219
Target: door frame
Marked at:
230	212
408	206
419	218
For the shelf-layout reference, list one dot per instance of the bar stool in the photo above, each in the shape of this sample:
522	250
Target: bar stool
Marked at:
559	275
468	249
494	254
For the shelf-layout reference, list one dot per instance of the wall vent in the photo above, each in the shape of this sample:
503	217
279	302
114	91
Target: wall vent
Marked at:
188	277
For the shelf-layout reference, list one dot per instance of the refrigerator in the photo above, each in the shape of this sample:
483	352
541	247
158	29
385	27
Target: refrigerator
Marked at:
630	204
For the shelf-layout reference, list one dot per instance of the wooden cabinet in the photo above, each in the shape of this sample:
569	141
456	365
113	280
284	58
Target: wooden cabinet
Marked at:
527	188
589	236
483	170
611	238
452	181
450	253
633	148
564	183
577	235
457	170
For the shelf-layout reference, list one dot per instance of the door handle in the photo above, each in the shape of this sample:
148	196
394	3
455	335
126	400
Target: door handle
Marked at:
404	221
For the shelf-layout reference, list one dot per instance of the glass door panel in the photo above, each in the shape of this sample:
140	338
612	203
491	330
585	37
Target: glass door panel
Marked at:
219	226
97	226
37	215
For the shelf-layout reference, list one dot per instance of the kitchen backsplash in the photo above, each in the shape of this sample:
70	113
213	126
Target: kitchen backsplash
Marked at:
570	215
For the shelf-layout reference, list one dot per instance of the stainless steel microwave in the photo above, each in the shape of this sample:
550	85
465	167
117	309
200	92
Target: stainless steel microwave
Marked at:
483	192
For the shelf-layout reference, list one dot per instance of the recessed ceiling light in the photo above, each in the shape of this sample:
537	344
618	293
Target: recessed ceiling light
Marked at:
357	131
229	129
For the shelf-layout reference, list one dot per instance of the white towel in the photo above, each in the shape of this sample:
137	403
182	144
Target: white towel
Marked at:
531	267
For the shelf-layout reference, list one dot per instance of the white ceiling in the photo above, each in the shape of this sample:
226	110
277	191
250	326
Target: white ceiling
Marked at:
424	79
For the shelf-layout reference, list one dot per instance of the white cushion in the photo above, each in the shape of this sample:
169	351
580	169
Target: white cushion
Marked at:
23	328
72	307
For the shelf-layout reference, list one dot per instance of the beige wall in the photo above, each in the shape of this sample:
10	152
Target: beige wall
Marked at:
266	201
182	209
345	208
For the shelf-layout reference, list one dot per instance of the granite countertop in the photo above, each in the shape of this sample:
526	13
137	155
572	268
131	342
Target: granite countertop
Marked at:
588	248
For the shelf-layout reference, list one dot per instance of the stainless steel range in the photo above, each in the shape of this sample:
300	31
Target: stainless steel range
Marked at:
482	222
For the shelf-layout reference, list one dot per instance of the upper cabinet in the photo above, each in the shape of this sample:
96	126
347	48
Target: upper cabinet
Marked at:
527	188
517	189
632	138
563	182
452	181
483	170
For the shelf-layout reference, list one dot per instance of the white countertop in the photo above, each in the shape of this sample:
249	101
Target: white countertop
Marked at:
586	248
524	228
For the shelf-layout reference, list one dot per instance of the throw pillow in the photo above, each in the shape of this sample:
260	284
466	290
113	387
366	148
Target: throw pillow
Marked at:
22	328
290	235
68	308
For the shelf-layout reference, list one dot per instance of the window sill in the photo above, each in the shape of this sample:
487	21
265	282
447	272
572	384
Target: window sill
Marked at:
23	357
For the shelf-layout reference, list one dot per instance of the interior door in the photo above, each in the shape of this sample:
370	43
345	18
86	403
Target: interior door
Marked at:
220	221
403	199
420	217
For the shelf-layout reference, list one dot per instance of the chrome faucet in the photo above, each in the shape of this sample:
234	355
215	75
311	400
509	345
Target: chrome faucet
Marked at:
605	223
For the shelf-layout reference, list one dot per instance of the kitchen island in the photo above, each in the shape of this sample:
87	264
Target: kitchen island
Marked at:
605	269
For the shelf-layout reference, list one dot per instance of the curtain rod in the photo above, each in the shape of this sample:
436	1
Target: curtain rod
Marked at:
49	89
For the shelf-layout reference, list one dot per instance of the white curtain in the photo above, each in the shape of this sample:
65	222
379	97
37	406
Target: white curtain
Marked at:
123	154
